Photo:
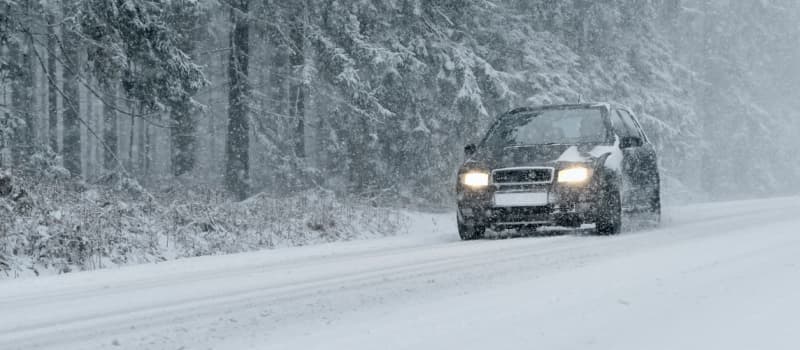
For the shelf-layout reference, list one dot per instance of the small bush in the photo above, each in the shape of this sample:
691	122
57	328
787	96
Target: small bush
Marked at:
70	226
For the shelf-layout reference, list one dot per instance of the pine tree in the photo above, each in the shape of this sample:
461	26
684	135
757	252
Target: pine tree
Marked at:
186	19
139	43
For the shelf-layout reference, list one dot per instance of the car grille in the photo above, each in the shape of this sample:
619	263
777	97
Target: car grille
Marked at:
520	215
520	176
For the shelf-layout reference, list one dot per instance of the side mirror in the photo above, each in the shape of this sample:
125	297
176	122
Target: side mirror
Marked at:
630	142
469	150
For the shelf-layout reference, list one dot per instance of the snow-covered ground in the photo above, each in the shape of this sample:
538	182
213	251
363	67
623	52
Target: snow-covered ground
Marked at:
714	276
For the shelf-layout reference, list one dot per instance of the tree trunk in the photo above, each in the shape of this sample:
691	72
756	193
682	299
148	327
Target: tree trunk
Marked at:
90	143
183	114
278	74
52	91
72	129
22	97
141	149
298	89
182	135
17	101
30	101
238	140
110	127
131	141
145	150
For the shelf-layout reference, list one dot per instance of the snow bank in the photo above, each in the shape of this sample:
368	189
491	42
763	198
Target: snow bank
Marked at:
70	226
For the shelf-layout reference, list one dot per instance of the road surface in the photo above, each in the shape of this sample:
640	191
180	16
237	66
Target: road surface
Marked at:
713	276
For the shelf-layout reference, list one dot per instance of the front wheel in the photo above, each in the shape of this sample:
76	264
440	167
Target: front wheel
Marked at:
469	233
609	218
655	206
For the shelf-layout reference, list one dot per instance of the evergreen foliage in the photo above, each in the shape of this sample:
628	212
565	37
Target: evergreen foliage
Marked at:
306	106
377	98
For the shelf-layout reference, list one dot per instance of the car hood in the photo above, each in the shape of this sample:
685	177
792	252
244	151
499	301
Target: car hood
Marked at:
545	155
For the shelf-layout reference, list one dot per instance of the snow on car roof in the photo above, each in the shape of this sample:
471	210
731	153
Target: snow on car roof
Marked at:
563	106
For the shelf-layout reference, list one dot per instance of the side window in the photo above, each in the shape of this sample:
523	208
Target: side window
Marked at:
619	126
630	124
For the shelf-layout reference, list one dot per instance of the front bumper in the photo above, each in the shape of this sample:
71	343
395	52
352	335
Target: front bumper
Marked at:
565	207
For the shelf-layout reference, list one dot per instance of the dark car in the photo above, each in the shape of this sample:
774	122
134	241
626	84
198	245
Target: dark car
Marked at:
561	165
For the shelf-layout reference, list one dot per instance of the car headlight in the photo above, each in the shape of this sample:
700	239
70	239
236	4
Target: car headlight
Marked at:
573	175
475	179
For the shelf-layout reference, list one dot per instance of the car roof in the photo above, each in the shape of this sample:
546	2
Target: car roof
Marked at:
604	105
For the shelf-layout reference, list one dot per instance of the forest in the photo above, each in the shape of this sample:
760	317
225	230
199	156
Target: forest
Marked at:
217	126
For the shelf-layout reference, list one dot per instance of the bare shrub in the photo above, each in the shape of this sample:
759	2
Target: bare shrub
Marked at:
74	226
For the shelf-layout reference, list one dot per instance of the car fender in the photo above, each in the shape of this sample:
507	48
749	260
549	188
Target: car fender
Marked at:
609	177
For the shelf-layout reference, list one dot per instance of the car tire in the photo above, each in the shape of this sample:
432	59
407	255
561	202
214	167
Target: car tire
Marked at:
469	233
609	218
655	206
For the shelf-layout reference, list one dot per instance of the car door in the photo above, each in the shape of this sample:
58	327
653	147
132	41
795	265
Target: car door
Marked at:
628	158
647	172
643	158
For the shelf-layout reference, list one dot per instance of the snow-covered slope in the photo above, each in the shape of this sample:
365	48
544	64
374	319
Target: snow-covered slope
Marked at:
714	276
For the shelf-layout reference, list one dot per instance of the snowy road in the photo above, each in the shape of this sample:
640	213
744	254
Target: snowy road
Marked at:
714	276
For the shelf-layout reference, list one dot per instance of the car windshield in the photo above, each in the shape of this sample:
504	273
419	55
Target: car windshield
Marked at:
555	126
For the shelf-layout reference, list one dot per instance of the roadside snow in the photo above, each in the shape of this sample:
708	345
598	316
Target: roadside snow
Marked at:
714	276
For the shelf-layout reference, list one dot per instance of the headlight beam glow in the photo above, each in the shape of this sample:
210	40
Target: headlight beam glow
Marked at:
475	179
573	175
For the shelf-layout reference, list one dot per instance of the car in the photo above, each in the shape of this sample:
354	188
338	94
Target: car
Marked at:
558	165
